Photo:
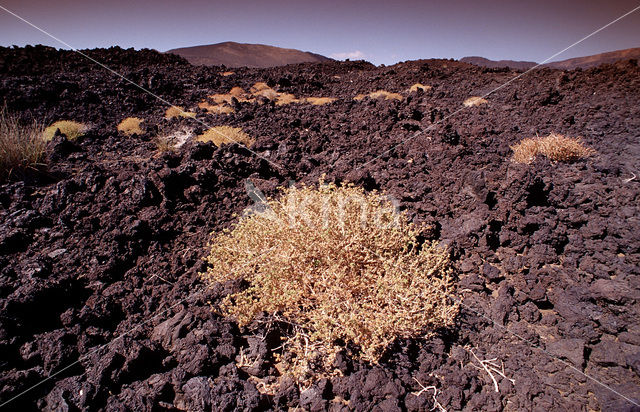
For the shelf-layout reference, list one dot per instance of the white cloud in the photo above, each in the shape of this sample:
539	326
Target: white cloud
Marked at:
352	55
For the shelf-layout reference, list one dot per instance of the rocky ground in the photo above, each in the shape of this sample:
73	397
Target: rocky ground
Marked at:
100	253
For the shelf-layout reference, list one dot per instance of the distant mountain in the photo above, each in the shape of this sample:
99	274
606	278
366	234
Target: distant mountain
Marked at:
596	59
569	64
233	54
481	61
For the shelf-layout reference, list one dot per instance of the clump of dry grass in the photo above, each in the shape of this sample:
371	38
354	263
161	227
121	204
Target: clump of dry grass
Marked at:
556	147
69	128
130	126
220	135
237	92
342	266
258	87
418	86
22	146
177	111
378	94
319	101
474	101
286	98
216	108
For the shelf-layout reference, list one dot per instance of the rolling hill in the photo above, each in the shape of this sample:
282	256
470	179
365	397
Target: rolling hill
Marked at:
568	64
232	54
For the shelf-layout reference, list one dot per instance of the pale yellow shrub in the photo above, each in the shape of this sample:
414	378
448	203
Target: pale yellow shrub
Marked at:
286	98
220	135
340	265
177	111
555	147
319	101
131	126
69	128
380	94
216	108
418	86
474	101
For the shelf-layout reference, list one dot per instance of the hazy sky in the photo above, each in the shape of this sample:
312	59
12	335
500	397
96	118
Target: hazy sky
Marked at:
379	31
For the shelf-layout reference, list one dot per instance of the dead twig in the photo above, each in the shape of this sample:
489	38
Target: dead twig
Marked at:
436	404
630	179
490	366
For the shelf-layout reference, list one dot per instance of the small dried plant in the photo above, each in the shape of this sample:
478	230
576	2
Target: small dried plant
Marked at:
220	135
319	101
474	101
22	145
69	128
380	94
177	111
555	147
131	126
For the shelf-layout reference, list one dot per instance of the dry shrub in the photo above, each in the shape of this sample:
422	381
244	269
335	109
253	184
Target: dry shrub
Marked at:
69	128
220	135
378	94
237	92
172	140
556	147
342	266
474	101
261	89
267	93
258	87
22	146
177	111
218	108
319	101
418	86
286	98
131	126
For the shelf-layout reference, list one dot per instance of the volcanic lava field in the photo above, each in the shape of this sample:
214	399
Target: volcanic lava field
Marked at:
102	306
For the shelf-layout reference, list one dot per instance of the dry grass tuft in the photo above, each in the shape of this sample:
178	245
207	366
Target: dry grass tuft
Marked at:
177	111
418	86
474	101
258	87
22	146
69	128
319	101
286	98
218	108
131	126
339	264
220	135
556	147
237	92
378	94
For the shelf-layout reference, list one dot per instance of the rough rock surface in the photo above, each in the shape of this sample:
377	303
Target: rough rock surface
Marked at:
100	252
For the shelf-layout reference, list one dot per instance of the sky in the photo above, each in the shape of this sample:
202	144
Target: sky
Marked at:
382	32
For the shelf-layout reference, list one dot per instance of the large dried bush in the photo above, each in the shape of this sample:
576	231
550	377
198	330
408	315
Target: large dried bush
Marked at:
342	266
22	145
556	147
